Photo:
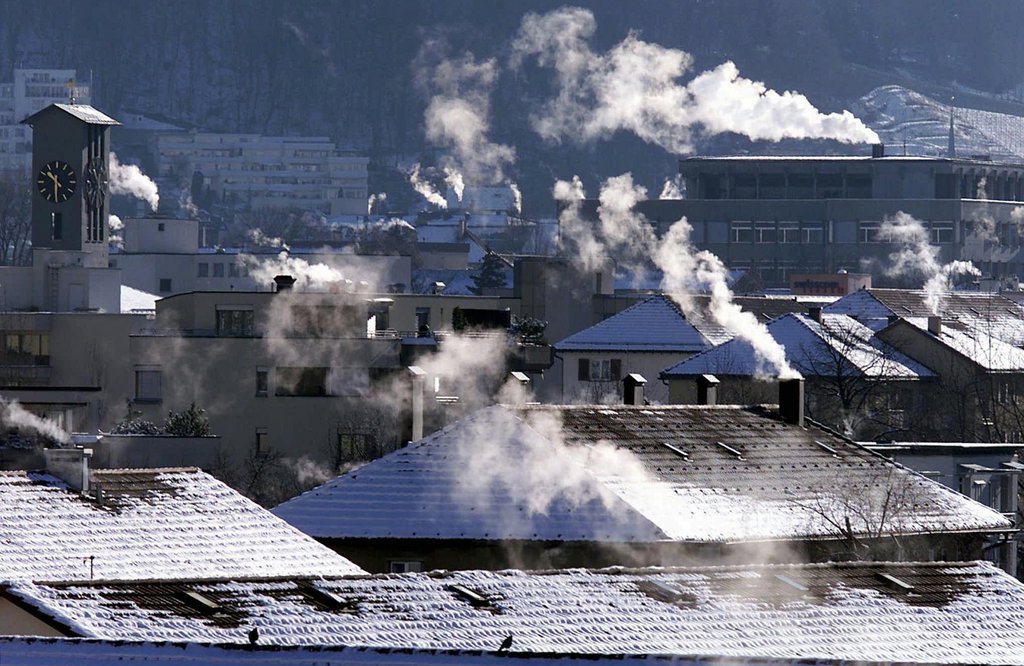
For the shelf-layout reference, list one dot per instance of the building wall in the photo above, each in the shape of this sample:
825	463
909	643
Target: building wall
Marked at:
649	364
16	621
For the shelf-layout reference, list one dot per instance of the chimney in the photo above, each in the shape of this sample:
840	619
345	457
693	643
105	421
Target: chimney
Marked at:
791	400
935	325
70	466
439	287
814	312
417	377
707	390
878	150
633	389
521	377
284	282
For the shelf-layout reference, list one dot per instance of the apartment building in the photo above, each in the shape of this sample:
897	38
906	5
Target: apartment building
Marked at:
308	173
32	90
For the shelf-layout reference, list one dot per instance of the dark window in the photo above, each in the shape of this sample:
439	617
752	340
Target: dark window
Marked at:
26	349
262	440
56	226
218	270
236	322
149	386
599	370
262	382
204	269
160	226
165	285
291	381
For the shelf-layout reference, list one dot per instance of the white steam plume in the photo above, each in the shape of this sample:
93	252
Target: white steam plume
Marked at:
129	179
260	239
375	200
628	236
457	115
115	223
916	256
14	416
425	189
309	276
635	86
672	189
517	198
455	181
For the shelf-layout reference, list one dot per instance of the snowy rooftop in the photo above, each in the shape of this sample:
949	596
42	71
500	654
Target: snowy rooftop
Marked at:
136	300
974	343
931	612
83	112
157	523
627	474
837	346
993	313
654	325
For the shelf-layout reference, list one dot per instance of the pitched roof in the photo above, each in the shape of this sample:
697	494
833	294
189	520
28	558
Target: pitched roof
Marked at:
83	112
916	612
627	474
653	325
165	523
838	345
974	343
999	316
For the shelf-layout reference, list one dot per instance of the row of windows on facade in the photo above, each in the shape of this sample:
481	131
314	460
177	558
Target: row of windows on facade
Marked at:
234	269
288	381
814	233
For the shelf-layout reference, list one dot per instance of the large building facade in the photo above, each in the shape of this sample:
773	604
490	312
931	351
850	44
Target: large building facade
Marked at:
31	91
776	216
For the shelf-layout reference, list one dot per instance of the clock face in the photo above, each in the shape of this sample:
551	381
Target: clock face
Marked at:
95	183
57	181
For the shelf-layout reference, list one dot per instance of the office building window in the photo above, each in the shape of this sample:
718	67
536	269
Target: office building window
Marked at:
238	321
742	232
867	232
165	285
218	270
305	382
942	233
813	234
262	382
764	232
789	232
203	269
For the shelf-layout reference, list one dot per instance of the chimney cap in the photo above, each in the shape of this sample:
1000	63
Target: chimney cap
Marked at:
635	378
284	282
708	380
416	371
520	376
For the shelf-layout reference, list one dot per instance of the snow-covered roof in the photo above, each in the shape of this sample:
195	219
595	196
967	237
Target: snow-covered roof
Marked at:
684	473
995	314
974	343
837	346
654	325
136	300
155	523
83	112
883	612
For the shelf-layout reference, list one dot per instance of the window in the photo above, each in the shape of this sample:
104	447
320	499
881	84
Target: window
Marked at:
942	233
404	566
813	234
235	321
203	269
789	232
262	382
867	232
742	232
56	226
218	270
262	440
149	385
165	285
306	382
764	232
26	349
600	370
232	270
160	226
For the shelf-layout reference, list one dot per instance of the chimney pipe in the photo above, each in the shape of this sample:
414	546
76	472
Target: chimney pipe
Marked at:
814	312
417	378
791	400
707	390
878	150
284	282
70	466
521	377
935	325
633	389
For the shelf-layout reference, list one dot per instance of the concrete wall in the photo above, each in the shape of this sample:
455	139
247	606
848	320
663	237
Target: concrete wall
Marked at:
120	451
16	621
648	364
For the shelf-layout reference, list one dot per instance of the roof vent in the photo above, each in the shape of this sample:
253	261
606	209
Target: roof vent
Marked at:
472	597
284	282
826	447
676	450
799	587
198	602
735	452
893	582
326	599
878	150
666	592
935	325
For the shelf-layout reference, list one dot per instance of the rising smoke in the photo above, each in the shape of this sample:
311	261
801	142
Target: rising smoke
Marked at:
15	417
915	257
425	189
635	87
129	179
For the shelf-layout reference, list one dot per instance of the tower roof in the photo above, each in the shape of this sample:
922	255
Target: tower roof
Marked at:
83	112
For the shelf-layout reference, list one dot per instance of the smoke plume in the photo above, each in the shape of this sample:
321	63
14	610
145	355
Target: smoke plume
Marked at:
15	417
309	276
375	200
129	179
517	198
629	237
457	115
672	189
425	189
260	239
916	257
635	87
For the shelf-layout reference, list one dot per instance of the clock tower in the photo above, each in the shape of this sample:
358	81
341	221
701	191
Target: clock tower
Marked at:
70	189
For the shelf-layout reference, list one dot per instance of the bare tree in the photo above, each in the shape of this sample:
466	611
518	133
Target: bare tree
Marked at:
15	222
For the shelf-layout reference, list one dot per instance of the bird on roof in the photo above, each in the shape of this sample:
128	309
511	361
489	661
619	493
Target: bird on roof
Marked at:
254	635
506	644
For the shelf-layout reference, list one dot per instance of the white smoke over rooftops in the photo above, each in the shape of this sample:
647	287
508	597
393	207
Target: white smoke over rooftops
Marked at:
635	87
129	179
16	417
